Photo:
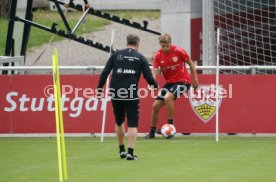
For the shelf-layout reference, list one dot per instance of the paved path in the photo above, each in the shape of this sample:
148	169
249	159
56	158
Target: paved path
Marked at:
73	53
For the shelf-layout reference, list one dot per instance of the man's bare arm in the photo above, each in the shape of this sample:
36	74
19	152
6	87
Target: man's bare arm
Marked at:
194	74
154	72
154	75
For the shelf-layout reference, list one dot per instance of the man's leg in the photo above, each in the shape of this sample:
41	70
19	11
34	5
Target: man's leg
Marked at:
175	91
132	111
157	105
119	112
132	135
169	102
120	132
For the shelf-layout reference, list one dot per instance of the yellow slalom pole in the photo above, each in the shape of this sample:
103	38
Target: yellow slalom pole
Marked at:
60	172
59	120
64	160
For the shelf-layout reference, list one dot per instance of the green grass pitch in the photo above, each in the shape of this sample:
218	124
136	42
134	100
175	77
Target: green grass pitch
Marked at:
191	159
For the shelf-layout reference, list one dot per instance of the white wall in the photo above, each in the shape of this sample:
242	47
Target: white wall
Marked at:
176	18
39	3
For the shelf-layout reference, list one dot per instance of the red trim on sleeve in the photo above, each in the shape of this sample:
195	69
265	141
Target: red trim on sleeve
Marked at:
184	55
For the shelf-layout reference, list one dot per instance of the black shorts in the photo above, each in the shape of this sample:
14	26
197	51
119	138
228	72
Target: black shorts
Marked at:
176	89
130	108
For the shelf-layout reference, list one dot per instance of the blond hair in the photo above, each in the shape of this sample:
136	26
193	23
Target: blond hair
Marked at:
166	38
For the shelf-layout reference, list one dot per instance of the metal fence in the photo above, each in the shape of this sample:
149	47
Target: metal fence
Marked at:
93	69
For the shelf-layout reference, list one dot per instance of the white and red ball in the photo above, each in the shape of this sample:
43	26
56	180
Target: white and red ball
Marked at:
168	131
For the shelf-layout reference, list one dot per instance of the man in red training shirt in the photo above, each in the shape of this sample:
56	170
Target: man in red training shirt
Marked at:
171	61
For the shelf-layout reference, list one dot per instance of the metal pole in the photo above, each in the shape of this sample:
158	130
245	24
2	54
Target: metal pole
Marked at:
107	89
80	20
217	87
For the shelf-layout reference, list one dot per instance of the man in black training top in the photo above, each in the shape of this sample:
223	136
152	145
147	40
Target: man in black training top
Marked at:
127	66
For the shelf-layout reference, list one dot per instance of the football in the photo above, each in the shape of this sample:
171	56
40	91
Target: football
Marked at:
168	131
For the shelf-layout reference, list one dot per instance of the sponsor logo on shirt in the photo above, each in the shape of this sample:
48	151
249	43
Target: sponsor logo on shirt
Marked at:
125	71
131	58
173	67
120	57
119	70
129	71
